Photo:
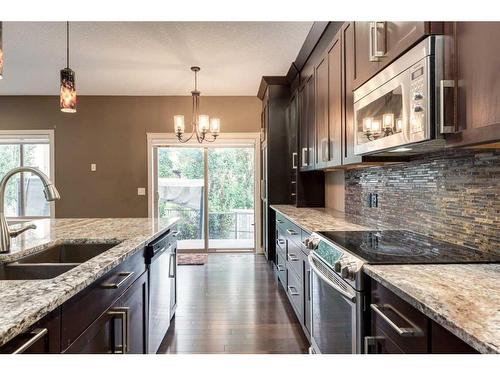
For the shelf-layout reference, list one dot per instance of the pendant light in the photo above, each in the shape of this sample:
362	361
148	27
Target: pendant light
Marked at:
1	50
67	100
202	125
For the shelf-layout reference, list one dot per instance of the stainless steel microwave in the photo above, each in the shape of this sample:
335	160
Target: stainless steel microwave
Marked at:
401	109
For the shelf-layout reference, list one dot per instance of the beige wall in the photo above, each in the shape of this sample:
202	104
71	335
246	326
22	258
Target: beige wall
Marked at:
335	190
111	132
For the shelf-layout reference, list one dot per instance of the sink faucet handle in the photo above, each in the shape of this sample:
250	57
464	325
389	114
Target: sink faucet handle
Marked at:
17	232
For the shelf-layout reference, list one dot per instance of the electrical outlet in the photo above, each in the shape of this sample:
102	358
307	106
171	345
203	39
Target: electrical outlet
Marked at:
93	167
141	191
369	200
374	200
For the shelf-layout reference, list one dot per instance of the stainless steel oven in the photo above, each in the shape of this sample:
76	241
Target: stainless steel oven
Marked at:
336	311
402	108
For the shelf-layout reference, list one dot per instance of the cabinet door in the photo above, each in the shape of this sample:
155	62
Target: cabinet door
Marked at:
477	68
378	43
321	114
121	329
293	159
42	338
335	102
348	75
365	67
303	129
135	303
311	121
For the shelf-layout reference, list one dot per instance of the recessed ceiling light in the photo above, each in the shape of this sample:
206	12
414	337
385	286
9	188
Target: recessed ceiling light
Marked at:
401	149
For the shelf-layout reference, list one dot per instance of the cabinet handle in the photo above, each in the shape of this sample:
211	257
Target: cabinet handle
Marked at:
411	331
175	234
294	160
281	268
127	275
293	290
279	221
171	268
444	84
371	341
292	257
374	53
122	313
309	285
291	232
37	333
304	161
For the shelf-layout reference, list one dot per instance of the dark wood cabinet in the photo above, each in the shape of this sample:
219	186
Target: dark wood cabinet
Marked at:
335	102
307	124
348	80
276	177
476	73
41	338
293	154
322	136
121	329
378	43
396	327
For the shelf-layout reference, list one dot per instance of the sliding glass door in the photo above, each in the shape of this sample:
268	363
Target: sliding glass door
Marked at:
231	198
212	190
180	186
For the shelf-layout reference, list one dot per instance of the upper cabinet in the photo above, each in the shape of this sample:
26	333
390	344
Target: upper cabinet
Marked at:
378	43
321	114
307	131
474	62
335	93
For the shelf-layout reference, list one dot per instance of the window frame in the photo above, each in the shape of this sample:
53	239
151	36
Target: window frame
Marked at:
41	134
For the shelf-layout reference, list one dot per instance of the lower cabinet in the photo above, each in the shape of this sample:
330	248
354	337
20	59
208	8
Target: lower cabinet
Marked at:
293	269
396	327
108	316
120	329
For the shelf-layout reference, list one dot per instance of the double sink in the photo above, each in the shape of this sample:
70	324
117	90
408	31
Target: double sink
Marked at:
52	261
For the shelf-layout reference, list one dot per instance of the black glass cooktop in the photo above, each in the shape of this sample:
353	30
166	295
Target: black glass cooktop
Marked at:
405	247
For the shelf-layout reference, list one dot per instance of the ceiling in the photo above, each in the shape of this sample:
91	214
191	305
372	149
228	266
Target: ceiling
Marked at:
148	58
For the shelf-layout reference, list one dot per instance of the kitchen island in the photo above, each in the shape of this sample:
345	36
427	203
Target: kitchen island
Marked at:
24	302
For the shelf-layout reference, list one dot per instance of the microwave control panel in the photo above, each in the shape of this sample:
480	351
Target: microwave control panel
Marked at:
417	98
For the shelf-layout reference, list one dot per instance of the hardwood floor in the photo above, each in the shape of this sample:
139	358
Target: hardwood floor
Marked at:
232	304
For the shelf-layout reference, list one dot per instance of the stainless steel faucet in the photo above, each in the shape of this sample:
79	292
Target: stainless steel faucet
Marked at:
51	194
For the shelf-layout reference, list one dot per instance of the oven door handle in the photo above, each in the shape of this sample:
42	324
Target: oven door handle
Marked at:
346	295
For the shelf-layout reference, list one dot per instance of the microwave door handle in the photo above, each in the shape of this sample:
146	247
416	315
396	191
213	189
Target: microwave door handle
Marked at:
315	269
444	84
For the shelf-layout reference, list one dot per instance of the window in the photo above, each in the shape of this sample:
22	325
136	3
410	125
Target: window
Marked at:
24	193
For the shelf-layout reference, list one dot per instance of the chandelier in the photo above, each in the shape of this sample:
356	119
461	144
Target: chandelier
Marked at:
202	124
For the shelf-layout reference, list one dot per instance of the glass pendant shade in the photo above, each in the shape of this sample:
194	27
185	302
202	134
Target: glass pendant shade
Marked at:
215	125
203	123
68	91
179	124
1	50
388	119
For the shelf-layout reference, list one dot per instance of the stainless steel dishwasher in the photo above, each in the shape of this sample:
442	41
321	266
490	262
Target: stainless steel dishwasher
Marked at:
161	258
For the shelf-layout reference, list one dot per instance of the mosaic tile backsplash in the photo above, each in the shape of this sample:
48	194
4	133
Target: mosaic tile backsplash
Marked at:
452	195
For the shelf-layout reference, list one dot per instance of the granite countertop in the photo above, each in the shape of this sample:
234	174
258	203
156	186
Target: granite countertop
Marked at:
463	298
24	302
325	219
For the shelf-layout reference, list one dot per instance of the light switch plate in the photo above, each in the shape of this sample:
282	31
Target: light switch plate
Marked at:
93	167
141	191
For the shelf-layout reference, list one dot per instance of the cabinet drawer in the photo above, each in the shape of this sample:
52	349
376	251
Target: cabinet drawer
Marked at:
81	310
402	323
281	266
294	257
280	241
295	293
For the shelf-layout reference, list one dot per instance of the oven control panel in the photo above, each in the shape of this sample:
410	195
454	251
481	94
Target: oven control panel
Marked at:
418	88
